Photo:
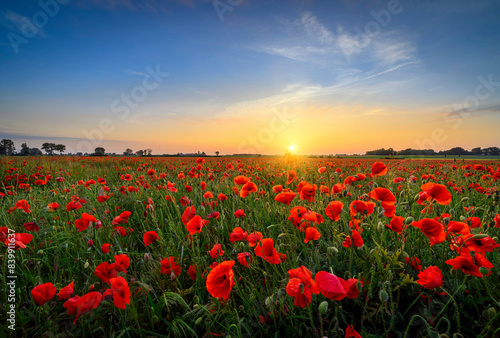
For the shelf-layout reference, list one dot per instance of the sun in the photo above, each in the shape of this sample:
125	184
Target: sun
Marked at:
291	148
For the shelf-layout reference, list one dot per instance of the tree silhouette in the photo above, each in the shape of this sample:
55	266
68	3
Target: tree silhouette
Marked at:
217	153
49	147
99	151
7	147
128	152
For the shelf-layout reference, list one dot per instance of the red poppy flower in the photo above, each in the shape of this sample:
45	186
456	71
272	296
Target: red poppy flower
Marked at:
123	260
105	271
83	223
120	292
196	224
277	189
105	248
432	229
188	214
497	221
301	286
216	251
430	278
241	180
222	197
333	210
285	197
66	292
312	234
265	249
244	258
247	189
237	235
192	272
396	224
185	201
150	237
52	206
347	243
482	245
330	285
19	239
378	169
458	228
220	280
362	208
239	213
203	185
434	192
351	333
322	170
357	240
292	175
351	287
123	217
308	192
214	214
31	226
415	263
466	264
473	222
208	195
23	204
168	266
73	206
383	195
253	238
81	305
188	188
43	293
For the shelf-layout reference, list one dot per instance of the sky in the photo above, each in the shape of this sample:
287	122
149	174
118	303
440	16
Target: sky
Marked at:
250	76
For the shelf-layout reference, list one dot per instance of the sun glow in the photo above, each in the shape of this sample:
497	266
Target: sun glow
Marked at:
291	148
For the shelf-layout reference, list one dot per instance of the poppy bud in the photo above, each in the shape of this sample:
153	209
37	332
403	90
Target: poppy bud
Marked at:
383	296
269	301
332	250
146	257
155	319
323	307
86	265
492	312
480	236
484	270
40	252
358	285
409	220
380	226
417	197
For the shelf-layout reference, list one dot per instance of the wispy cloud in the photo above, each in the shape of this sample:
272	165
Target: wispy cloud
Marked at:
309	40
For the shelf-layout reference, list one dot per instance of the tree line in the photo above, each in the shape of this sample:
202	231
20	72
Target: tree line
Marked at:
459	151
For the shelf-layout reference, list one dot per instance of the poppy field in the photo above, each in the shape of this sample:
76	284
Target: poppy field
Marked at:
249	247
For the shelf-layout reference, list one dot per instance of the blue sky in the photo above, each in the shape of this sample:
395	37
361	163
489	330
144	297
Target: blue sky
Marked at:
250	76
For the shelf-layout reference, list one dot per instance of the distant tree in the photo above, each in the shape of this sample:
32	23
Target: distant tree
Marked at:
476	151
148	151
25	150
7	147
203	154
35	152
139	152
128	152
49	147
60	148
217	153
99	151
492	151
